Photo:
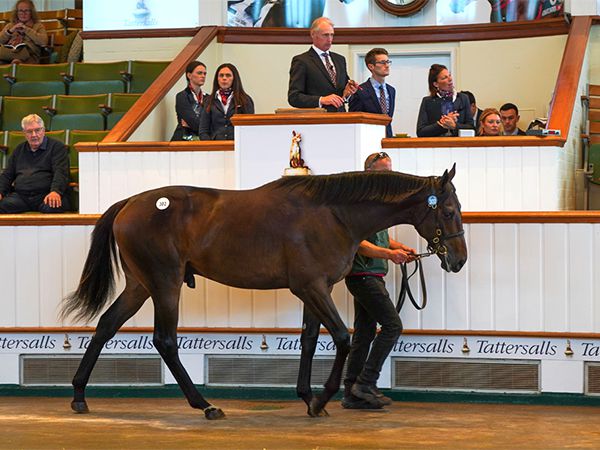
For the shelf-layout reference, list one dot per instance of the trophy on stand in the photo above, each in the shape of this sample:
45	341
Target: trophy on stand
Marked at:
297	166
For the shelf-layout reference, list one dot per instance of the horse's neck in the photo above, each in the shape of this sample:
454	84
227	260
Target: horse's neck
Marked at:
365	218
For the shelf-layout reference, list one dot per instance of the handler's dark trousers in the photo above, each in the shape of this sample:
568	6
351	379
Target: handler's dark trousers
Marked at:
372	305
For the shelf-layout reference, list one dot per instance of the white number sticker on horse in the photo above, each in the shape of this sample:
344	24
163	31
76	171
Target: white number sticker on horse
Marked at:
162	203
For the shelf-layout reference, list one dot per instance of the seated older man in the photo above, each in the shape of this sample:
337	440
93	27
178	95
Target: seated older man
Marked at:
37	174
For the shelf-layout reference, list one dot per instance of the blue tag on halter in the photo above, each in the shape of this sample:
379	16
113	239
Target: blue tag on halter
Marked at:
432	201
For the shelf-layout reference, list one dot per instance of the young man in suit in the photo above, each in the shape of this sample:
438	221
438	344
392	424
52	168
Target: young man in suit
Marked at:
318	77
509	114
375	95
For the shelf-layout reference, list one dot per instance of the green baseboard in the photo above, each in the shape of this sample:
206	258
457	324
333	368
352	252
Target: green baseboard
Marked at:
262	393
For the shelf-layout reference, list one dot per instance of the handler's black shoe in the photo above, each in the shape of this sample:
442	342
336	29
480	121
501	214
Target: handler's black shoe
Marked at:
370	393
352	402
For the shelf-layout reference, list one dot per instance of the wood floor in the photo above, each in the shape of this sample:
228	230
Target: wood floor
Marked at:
119	423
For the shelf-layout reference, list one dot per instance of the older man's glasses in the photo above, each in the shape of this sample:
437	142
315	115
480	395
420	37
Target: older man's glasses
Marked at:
33	131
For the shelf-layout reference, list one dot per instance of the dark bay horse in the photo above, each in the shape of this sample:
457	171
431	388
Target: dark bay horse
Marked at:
299	233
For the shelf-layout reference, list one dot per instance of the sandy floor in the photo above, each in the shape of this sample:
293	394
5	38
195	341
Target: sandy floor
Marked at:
47	423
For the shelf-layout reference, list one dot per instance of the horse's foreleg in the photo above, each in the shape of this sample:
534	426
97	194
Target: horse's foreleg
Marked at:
318	299
308	339
165	341
125	306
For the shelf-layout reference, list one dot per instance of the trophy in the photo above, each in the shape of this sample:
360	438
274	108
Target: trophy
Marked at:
297	166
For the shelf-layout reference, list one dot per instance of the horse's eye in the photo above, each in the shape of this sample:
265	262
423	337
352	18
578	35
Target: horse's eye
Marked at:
448	214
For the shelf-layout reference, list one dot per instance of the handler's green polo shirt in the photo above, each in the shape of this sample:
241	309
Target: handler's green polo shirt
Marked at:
363	265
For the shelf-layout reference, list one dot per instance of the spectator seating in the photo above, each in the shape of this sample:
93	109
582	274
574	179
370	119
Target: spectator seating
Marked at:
593	136
143	73
78	78
5	69
118	106
78	111
15	108
29	80
98	78
76	136
91	112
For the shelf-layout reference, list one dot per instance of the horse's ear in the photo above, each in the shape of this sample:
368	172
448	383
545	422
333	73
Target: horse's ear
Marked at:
447	176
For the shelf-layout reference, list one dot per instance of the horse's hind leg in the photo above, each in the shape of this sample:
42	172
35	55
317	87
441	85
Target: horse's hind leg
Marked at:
165	340
125	306
309	338
317	297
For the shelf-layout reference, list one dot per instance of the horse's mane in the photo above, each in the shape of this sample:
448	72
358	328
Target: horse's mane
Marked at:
353	187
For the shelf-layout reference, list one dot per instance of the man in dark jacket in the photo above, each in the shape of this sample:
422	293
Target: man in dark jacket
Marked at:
375	95
37	174
318	77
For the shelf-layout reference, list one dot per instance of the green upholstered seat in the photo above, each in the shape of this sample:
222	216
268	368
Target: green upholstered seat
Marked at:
98	78
143	74
15	108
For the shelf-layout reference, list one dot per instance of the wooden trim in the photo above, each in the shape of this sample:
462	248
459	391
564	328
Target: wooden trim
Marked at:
479	141
157	90
175	146
467	217
309	118
38	219
240	330
594	89
567	82
594	103
399	35
129	34
532	217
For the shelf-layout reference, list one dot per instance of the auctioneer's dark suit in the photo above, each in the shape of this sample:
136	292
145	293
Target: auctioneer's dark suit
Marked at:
310	80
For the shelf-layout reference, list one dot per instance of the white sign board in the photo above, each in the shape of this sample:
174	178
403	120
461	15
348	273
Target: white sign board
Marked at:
139	14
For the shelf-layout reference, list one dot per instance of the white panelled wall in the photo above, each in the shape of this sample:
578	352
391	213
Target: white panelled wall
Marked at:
497	178
519	277
107	177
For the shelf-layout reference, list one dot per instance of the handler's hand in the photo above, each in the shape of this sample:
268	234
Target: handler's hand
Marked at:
399	256
53	200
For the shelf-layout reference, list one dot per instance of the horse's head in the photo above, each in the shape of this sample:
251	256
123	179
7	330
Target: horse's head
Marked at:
441	224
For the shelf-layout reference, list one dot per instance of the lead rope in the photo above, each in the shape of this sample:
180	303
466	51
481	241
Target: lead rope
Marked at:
405	286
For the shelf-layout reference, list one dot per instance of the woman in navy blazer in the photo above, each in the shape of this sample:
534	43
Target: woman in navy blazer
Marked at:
445	111
228	98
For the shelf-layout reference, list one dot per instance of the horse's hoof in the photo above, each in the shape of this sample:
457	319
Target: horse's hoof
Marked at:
80	407
214	413
317	410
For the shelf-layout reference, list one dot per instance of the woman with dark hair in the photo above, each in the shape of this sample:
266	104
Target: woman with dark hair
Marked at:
444	111
190	103
23	37
227	98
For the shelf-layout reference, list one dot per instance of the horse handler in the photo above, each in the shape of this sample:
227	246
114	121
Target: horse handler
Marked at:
372	305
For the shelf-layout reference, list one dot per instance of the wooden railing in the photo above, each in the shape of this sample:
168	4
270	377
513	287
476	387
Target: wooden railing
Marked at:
157	90
565	92
467	217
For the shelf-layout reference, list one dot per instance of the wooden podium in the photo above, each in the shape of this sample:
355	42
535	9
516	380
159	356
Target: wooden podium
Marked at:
331	143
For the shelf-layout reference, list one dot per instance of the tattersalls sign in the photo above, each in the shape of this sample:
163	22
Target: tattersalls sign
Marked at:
286	344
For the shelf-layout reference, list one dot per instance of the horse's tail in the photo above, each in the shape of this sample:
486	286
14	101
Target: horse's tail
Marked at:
97	282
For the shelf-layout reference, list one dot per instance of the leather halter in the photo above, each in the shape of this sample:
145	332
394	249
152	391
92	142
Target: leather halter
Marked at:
435	246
